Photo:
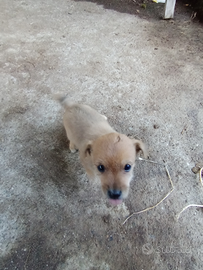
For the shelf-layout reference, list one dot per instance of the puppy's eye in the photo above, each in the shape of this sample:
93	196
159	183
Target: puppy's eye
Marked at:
127	167
101	168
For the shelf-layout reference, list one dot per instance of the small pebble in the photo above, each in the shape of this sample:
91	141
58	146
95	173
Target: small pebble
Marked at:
156	126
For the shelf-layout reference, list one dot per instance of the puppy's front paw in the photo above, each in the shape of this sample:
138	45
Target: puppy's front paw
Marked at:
72	148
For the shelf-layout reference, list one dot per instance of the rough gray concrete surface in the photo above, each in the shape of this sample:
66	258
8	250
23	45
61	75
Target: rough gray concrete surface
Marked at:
146	75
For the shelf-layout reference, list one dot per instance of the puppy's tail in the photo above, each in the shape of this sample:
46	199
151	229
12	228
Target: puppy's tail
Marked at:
63	99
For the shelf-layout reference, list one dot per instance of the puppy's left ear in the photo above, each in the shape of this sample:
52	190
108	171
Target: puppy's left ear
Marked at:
140	146
88	149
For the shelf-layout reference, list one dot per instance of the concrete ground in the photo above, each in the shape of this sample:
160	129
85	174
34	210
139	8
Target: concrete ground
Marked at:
146	75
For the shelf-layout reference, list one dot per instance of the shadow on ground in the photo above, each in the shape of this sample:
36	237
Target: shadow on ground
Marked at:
143	9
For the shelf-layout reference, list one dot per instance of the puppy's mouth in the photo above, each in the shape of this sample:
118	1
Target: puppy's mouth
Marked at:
115	202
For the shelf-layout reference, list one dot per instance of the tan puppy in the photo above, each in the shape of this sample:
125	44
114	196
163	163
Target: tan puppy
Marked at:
104	153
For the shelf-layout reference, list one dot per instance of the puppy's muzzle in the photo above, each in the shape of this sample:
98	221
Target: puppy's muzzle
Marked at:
114	194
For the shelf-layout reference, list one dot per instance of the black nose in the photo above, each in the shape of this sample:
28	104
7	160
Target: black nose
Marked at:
114	194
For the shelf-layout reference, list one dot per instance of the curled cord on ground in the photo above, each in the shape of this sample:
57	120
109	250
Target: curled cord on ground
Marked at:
193	205
151	207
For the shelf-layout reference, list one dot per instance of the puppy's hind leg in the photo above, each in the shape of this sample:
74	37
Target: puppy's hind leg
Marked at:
104	116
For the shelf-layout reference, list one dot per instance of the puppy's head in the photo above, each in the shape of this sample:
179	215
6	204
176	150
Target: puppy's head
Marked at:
113	156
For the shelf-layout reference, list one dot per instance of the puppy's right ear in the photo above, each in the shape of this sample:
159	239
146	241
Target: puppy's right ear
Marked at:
88	149
140	146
